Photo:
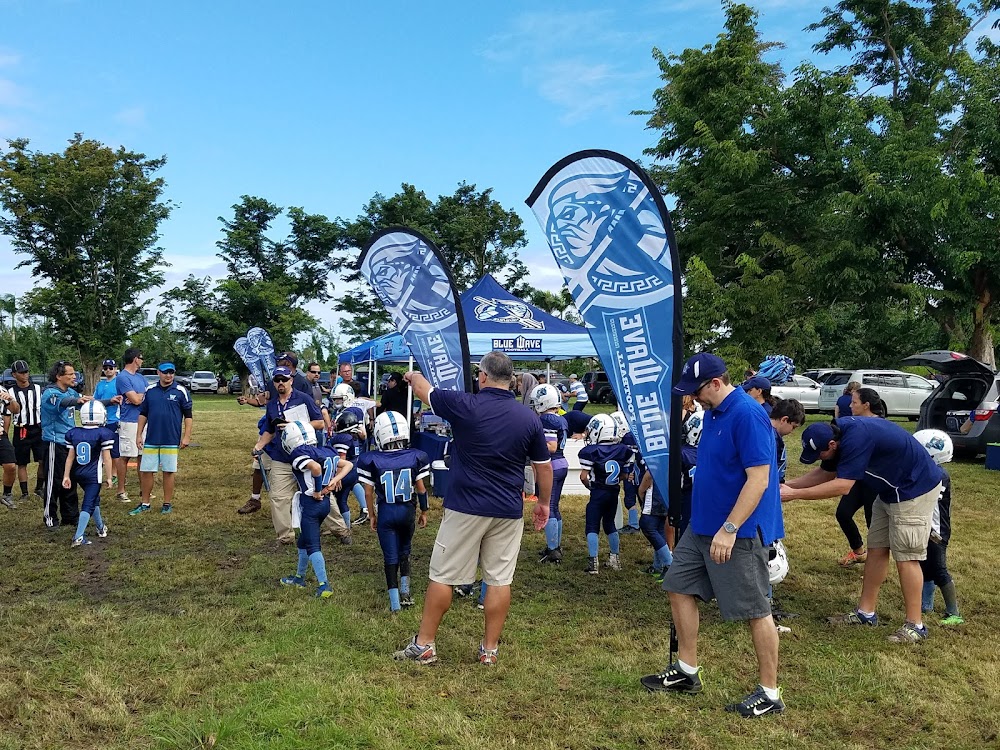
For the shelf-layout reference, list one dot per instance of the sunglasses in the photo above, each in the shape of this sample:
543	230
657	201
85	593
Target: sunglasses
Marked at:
168	372
314	372
281	380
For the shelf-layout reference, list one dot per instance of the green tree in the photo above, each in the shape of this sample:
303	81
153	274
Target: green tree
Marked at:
8	307
164	340
86	219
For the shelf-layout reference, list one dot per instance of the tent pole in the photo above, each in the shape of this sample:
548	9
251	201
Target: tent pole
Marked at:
409	397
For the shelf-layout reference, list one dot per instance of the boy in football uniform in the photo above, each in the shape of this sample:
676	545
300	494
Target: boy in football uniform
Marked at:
546	400
632	482
391	474
653	524
318	472
604	464
88	465
349	421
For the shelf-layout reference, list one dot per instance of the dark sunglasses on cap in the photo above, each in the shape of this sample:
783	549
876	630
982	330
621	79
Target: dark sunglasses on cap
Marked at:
281	379
168	372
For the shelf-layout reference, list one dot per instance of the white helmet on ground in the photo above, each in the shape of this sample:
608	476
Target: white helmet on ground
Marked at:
93	414
777	562
691	429
937	443
391	428
296	434
603	429
544	397
344	393
622	421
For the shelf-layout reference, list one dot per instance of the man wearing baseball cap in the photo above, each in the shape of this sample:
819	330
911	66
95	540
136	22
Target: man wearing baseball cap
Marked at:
106	389
759	389
27	423
888	460
735	515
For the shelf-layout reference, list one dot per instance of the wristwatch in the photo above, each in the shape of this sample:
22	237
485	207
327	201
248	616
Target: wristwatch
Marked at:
730	528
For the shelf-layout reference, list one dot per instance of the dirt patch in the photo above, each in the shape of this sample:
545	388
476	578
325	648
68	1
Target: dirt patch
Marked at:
94	582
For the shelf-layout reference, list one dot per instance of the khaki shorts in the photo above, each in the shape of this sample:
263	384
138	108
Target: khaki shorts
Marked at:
904	528
464	540
127	433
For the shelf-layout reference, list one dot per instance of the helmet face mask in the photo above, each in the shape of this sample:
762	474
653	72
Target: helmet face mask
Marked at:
348	422
342	396
391	431
297	434
543	398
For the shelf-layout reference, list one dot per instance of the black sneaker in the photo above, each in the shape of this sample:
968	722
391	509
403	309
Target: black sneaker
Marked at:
361	520
673	680
464	589
592	566
757	704
406	600
626	530
551	556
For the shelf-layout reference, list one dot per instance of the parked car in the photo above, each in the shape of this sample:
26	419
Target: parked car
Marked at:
802	389
8	378
598	388
184	379
151	380
972	390
901	392
203	381
235	386
42	380
819	375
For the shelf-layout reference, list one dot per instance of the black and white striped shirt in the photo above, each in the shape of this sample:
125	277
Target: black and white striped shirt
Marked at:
30	399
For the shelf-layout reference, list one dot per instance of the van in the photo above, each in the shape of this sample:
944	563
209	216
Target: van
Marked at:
901	392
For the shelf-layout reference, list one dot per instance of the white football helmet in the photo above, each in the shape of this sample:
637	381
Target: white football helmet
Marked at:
93	414
391	428
691	428
296	434
343	395
543	398
603	429
777	562
622	421
937	443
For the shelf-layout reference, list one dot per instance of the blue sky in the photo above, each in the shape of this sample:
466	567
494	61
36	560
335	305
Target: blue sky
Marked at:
323	104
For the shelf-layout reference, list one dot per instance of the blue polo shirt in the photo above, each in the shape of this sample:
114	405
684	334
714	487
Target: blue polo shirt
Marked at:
125	382
577	421
885	457
104	391
165	410
300	407
57	419
737	434
495	435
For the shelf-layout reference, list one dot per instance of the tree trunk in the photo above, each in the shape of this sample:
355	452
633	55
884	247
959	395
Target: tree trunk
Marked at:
981	345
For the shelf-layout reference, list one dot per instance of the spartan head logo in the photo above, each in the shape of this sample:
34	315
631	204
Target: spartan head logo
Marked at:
507	311
607	234
411	283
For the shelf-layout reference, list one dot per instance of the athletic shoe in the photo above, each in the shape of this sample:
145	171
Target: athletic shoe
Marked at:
657	574
406	600
250	506
80	541
592	566
166	508
420	654
853	558
782	629
347	541
8	500
673	679
103	531
465	589
123	497
909	633
298	581
854	618
361	520
487	656
757	704
628	530
27	498
551	556
140	508
952	620
615	562
324	591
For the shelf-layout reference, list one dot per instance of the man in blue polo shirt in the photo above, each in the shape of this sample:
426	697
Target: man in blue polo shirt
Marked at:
288	406
162	414
735	515
483	518
888	460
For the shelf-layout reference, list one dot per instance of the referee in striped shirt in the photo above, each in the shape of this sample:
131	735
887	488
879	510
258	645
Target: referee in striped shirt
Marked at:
27	423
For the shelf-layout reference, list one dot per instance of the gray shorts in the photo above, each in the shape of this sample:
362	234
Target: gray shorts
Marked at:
740	585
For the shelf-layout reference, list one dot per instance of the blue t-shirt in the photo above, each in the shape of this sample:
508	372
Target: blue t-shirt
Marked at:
165	410
608	465
88	468
494	436
300	407
394	474
885	457
325	457
105	391
737	434
126	382
555	431
844	406
57	419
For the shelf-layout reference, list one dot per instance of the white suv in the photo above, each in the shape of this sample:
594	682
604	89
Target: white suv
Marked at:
203	381
901	392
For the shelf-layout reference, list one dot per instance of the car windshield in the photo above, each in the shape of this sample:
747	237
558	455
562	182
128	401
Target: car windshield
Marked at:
206	375
837	378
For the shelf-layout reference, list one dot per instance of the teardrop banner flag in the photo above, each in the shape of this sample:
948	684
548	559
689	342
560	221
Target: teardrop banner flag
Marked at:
407	272
610	233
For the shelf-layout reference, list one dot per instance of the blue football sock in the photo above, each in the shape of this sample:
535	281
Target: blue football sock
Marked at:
347	518
633	517
300	571
359	493
482	592
926	598
319	566
662	558
559	537
96	515
613	542
552	533
404	584
394	600
82	524
592	544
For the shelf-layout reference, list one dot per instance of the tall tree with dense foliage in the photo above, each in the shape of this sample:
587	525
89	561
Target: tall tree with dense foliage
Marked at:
86	219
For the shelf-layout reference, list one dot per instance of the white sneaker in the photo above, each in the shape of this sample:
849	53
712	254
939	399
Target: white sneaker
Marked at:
615	562
80	541
103	531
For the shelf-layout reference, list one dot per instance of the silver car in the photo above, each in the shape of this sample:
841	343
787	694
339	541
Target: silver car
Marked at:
802	389
901	392
203	381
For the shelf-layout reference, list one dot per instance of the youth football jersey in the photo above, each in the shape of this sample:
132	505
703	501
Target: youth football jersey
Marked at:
88	442
325	457
555	430
393	474
608	465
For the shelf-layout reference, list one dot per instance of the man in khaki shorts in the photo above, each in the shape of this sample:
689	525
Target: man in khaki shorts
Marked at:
891	462
483	517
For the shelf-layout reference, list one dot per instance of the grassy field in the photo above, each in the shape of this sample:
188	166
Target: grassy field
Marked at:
173	633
